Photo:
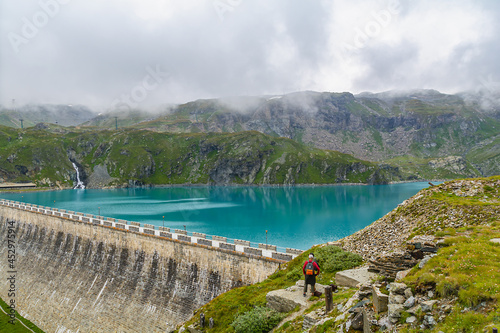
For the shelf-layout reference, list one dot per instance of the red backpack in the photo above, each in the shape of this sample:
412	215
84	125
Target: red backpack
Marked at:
310	269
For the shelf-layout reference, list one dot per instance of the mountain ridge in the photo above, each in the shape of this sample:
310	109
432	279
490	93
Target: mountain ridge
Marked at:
401	128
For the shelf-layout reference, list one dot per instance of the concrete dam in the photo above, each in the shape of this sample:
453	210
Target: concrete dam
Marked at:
75	272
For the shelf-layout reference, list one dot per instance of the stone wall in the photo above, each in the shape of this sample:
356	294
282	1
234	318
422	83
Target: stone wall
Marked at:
82	277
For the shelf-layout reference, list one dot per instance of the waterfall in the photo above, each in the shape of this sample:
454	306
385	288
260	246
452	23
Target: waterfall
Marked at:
79	183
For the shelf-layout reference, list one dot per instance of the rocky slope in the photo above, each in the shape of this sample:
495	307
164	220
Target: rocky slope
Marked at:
421	124
455	204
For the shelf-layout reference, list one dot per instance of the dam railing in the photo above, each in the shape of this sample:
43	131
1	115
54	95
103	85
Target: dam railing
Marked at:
238	245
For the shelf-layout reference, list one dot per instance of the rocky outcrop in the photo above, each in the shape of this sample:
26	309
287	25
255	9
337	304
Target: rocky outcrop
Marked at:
390	265
285	300
99	177
375	127
352	277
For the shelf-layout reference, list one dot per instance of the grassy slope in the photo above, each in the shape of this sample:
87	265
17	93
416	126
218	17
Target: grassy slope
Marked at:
6	327
166	158
226	307
466	272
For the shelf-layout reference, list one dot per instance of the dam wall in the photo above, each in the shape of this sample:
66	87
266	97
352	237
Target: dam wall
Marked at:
72	275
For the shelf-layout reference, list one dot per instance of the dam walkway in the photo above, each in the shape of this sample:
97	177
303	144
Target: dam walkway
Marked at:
238	245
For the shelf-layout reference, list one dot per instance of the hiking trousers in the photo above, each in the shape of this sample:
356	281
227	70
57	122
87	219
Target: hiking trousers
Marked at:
310	279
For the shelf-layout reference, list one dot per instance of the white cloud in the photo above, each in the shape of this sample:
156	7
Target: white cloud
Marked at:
92	51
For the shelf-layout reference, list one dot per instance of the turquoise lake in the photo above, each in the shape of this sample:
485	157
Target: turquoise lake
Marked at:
296	217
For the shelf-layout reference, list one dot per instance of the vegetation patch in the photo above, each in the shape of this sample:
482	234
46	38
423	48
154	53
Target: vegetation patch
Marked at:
18	326
258	320
226	308
466	272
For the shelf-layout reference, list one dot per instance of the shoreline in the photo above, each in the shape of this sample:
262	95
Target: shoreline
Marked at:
40	189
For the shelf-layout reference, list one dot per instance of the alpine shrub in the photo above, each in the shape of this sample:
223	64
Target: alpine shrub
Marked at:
333	259
258	320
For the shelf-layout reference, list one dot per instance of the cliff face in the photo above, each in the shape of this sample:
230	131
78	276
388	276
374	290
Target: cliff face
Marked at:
374	127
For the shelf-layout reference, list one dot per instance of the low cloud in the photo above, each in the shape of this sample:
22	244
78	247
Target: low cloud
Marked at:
94	52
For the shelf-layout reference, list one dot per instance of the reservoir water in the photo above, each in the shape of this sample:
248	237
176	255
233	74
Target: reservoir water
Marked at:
296	217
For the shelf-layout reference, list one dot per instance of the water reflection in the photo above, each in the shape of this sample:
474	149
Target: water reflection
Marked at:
294	216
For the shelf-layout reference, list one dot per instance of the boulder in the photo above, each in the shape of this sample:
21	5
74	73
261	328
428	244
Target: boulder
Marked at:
414	310
427	305
380	300
396	299
397	288
384	323
357	321
495	240
352	277
429	321
408	293
310	320
409	303
402	274
394	311
283	300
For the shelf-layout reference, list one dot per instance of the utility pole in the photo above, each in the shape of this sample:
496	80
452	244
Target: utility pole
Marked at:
266	239
116	123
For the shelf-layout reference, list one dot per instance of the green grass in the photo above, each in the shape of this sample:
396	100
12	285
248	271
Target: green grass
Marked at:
258	320
165	158
468	268
17	327
374	104
228	306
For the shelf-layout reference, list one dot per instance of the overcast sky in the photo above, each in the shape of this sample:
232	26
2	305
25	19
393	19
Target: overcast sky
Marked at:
150	52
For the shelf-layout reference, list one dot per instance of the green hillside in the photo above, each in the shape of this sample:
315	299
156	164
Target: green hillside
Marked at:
137	157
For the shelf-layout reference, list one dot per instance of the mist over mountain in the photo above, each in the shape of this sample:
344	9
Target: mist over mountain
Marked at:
64	115
395	125
407	128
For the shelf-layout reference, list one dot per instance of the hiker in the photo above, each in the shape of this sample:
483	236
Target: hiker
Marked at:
310	270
